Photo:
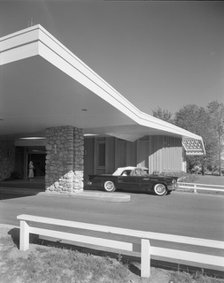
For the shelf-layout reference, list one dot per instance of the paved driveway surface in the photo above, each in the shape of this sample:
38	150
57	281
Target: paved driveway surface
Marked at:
179	213
184	214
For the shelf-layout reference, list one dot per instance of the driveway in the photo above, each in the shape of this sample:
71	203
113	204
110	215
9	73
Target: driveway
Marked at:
186	214
179	213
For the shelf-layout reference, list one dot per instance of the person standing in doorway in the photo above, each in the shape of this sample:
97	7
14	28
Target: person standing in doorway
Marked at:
31	171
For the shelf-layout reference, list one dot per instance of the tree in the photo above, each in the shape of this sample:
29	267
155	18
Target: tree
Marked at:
206	122
196	120
216	114
193	118
163	114
209	123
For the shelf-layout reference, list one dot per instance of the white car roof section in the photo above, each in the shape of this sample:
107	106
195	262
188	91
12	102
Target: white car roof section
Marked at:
36	40
121	169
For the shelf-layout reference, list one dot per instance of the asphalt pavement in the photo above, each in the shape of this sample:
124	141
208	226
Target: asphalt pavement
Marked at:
194	215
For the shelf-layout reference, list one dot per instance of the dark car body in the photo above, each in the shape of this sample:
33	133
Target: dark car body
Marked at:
133	179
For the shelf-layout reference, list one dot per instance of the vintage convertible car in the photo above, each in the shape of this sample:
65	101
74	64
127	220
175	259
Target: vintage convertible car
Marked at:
133	179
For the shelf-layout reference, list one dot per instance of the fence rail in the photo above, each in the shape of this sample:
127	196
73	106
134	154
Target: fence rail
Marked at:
146	249
203	187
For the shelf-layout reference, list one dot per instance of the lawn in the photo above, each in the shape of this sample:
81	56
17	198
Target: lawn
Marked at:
47	264
209	179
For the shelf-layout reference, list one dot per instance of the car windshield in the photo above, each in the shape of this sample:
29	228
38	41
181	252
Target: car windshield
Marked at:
126	173
138	172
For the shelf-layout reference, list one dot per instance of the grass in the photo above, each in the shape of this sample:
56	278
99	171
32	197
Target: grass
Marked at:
208	179
41	264
51	264
195	178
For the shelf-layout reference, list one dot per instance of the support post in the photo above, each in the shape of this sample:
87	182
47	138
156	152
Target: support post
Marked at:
24	236
195	188
145	258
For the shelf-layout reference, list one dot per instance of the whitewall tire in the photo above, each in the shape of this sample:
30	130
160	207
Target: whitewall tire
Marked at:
160	190
109	186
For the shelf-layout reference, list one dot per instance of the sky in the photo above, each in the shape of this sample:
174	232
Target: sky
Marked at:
163	54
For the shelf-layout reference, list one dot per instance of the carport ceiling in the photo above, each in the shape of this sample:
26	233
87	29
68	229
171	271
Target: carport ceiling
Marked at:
37	95
43	84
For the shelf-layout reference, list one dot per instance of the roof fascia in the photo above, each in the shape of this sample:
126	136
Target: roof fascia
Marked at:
19	45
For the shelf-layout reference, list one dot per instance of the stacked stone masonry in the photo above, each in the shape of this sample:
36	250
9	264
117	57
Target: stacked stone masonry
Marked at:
64	160
7	159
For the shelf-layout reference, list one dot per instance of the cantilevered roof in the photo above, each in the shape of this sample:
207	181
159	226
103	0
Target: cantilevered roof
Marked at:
43	84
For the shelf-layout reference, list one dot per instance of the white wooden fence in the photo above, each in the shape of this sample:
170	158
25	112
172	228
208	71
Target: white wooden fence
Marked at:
203	187
146	249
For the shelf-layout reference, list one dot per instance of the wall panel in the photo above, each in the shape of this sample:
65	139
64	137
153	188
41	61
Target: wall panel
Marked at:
165	154
131	153
110	155
158	153
120	153
88	157
143	152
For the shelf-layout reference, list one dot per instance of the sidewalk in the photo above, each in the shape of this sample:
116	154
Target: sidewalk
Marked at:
37	183
25	188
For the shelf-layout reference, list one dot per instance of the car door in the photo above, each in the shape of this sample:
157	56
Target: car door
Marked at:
128	183
144	183
141	179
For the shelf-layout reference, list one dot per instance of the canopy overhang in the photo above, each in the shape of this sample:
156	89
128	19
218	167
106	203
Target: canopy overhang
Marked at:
43	84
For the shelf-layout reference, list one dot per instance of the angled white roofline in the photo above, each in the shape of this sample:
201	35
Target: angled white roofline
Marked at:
36	40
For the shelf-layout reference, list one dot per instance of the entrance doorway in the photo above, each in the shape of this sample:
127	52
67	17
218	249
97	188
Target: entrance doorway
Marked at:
38	162
24	154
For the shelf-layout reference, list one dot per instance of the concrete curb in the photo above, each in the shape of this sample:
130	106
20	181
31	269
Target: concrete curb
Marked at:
110	197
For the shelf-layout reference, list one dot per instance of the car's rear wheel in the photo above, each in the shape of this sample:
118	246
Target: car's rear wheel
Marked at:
160	190
109	186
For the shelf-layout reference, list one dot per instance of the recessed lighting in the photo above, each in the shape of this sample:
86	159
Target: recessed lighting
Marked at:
90	135
38	150
33	138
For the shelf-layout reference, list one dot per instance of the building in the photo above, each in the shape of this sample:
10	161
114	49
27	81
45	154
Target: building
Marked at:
57	112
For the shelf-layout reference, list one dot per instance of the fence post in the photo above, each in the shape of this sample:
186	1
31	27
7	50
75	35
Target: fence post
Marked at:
24	236
145	258
195	188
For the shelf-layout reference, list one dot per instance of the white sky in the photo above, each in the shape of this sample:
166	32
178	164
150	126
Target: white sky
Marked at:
160	53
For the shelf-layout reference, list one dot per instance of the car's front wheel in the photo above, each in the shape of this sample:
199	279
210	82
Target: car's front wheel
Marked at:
160	190
109	186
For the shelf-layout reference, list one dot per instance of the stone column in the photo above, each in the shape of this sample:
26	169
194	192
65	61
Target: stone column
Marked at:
78	159
64	173
7	158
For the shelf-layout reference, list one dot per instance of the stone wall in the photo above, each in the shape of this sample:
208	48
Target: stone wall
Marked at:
7	159
64	160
